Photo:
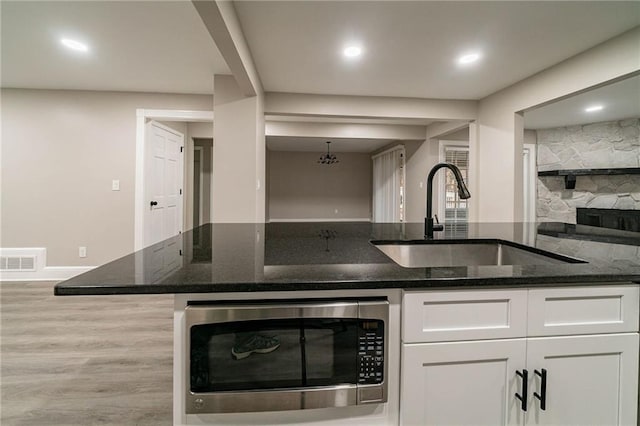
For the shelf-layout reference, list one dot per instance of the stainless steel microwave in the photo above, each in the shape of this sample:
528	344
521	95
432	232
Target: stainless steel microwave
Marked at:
285	355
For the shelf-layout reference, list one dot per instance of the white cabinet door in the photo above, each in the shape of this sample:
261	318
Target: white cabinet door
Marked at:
591	380
583	310
462	383
443	316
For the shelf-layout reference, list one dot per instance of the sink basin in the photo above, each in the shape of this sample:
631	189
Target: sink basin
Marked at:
435	253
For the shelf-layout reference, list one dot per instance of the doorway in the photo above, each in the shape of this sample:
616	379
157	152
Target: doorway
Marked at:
143	117
202	169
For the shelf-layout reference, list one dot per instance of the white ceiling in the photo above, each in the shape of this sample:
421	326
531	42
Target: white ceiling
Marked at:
619	100
143	46
410	47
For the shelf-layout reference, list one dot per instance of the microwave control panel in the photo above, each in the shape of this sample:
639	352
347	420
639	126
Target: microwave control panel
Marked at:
370	352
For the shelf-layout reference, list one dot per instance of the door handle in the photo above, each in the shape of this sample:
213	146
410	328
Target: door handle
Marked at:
154	203
523	397
543	388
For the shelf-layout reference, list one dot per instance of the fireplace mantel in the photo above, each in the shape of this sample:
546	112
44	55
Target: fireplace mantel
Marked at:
570	174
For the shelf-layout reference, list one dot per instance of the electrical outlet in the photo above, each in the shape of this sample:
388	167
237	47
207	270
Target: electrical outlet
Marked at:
82	251
115	185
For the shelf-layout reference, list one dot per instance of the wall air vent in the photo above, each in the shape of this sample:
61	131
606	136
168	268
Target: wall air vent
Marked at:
18	263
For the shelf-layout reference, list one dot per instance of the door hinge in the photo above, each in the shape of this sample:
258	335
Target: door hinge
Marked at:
180	191
180	252
181	148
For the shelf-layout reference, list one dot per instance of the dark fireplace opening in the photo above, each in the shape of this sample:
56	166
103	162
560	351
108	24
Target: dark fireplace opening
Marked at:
625	220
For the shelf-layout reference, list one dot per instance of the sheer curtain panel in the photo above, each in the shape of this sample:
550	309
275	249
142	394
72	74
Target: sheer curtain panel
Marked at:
388	186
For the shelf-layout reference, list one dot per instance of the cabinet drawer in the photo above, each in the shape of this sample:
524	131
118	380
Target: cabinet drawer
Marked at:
584	310
463	315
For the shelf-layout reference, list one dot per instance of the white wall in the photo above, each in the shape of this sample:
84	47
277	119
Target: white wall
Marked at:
201	130
60	151
460	135
530	137
496	172
302	189
421	157
238	154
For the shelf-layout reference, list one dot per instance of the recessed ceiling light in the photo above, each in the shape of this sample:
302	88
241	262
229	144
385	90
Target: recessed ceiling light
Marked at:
352	51
594	108
74	44
468	58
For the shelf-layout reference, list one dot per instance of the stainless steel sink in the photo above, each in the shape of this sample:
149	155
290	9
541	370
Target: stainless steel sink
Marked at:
435	253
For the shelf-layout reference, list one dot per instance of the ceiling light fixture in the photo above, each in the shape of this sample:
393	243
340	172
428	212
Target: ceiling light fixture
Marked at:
75	45
352	51
468	59
594	108
328	158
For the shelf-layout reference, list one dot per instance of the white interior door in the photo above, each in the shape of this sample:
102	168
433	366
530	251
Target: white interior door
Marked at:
163	183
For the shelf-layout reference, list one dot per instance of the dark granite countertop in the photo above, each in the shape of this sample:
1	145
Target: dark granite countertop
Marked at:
322	256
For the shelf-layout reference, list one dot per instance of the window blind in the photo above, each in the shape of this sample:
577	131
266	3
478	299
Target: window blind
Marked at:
456	210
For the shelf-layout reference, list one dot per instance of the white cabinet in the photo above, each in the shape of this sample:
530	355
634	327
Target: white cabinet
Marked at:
462	383
587	310
590	380
463	315
459	372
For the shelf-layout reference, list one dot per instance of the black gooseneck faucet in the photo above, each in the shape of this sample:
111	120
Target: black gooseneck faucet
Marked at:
463	192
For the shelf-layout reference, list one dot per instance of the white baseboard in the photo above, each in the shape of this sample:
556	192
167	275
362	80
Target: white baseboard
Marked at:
40	272
353	219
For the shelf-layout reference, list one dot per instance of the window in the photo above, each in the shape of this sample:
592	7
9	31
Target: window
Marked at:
454	210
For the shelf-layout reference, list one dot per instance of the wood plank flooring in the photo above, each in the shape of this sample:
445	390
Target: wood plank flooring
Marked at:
84	360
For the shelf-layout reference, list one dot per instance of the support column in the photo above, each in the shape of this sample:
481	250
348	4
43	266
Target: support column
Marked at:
238	154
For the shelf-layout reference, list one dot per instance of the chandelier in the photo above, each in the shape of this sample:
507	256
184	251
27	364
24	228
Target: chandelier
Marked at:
328	158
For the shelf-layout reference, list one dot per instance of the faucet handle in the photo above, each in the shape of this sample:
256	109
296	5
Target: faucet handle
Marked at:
437	226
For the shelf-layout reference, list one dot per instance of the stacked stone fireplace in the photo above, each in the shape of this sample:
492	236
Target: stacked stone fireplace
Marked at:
612	144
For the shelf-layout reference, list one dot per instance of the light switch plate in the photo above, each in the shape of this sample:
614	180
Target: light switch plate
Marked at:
82	251
115	185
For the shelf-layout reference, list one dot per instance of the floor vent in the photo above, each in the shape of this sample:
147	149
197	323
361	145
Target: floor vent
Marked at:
17	263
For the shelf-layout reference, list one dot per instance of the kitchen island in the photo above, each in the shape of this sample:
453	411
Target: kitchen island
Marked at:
219	258
472	328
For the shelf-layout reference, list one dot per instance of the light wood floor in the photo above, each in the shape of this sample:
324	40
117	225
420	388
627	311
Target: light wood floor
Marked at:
80	360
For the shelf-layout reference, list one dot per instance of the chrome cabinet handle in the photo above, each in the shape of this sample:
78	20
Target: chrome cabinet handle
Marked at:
542	396
523	397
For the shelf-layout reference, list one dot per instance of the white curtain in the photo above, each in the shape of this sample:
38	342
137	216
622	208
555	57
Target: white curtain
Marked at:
388	186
